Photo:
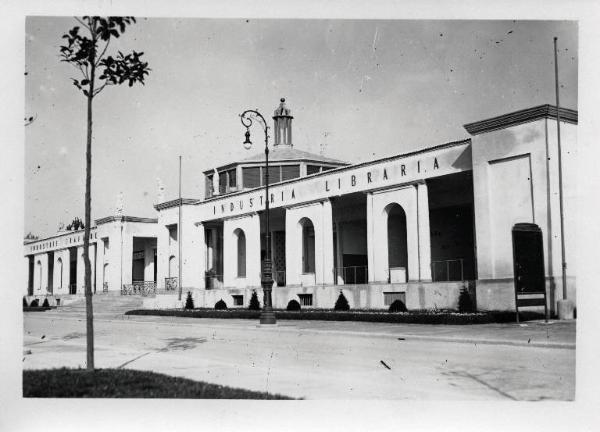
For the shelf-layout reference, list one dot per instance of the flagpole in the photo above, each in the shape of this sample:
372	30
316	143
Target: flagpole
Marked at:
560	182
179	232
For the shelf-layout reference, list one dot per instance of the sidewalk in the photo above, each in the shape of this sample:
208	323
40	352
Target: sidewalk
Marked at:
555	334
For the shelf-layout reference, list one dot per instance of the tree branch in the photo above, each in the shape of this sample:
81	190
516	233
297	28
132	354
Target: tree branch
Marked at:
102	55
99	89
82	23
84	73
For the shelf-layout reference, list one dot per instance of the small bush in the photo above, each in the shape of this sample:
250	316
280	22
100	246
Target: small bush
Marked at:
220	305
398	306
34	303
189	301
46	304
293	305
254	303
25	302
341	303
465	302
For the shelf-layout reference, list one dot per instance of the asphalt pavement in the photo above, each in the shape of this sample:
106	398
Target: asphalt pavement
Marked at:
322	360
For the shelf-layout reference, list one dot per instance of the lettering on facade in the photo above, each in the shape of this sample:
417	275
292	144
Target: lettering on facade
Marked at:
368	177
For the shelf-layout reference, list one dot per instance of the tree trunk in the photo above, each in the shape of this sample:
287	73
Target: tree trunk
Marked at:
89	312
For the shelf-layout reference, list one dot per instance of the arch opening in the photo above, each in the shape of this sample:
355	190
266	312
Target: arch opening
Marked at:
241	252
308	245
397	242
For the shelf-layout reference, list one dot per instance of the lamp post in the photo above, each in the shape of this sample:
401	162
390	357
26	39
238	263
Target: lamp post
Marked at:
266	316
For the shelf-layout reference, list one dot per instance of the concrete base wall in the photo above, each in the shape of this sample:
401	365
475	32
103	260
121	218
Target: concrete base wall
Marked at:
499	294
419	295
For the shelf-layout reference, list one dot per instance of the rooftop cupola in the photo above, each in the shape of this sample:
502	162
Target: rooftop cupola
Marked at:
283	125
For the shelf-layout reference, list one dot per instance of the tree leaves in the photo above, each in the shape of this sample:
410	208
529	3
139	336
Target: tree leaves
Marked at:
81	51
124	68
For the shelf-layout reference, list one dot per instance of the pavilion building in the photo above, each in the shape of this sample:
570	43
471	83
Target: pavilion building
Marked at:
416	227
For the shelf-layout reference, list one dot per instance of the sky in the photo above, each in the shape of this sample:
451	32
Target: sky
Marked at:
358	90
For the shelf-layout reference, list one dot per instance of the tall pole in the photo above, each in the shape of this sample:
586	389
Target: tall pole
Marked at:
179	233
267	316
560	182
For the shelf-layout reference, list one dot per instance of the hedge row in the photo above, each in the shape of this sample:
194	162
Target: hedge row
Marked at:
413	317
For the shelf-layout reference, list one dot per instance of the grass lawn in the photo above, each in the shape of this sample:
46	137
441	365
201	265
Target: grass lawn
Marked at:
125	383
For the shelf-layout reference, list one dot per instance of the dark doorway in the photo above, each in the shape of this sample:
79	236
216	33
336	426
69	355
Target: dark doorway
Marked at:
397	238
30	277
528	258
50	288
73	270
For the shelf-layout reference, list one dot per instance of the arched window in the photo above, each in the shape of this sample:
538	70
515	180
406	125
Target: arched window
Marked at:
241	252
308	246
60	272
172	266
397	237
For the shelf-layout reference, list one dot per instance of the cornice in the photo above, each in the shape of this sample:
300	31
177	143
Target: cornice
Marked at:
175	203
520	117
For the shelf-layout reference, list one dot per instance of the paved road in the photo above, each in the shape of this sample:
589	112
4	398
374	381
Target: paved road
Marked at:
323	360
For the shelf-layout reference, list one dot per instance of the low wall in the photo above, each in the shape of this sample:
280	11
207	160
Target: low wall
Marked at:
499	294
418	295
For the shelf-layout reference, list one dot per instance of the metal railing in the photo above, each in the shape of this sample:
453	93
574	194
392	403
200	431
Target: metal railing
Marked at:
351	275
171	283
448	270
139	288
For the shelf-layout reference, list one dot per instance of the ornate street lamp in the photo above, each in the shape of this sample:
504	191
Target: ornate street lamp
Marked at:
266	316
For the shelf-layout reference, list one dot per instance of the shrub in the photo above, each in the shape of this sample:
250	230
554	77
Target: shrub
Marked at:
293	305
254	303
25	302
220	305
189	301
398	306
465	302
34	303
46	304
341	303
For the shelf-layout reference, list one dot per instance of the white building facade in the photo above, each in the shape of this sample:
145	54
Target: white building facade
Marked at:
416	227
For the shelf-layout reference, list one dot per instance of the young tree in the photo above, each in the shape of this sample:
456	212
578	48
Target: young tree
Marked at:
86	50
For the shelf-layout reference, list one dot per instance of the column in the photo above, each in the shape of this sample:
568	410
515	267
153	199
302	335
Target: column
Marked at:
99	265
324	236
370	239
192	254
148	260
293	247
92	255
80	271
126	257
339	259
162	255
424	232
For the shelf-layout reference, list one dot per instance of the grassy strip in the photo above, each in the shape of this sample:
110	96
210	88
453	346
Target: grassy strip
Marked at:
125	383
413	317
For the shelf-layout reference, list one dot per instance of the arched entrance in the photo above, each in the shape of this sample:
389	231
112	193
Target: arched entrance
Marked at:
172	266
60	272
397	243
39	272
241	252
308	246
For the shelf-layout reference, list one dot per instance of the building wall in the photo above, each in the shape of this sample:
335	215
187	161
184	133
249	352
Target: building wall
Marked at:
320	215
514	180
250	225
